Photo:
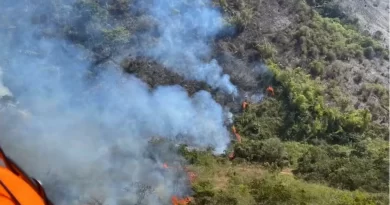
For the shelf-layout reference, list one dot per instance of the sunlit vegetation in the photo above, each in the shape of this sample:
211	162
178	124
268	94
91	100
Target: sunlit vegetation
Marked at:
333	145
247	184
330	38
301	113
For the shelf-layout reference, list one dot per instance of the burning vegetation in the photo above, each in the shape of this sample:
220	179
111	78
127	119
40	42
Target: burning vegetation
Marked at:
124	102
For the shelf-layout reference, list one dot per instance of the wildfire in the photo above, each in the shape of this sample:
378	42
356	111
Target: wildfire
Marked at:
270	90
178	201
191	177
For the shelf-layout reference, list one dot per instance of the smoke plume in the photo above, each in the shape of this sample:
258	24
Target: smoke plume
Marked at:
186	29
84	132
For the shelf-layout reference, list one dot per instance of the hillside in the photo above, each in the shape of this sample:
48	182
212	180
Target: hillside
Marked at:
373	16
177	72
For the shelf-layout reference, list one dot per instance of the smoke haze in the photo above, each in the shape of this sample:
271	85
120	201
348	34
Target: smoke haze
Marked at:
186	28
84	132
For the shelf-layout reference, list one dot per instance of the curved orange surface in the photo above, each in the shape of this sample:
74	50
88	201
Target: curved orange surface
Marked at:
22	191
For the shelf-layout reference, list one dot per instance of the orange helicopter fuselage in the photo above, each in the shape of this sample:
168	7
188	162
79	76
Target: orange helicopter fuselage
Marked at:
13	190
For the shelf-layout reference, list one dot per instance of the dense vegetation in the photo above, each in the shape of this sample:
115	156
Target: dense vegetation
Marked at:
335	144
296	130
249	183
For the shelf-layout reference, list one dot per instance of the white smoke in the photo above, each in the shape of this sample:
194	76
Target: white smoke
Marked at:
187	28
4	91
87	133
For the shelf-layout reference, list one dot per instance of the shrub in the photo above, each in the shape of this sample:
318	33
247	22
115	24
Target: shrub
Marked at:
377	89
314	52
369	52
119	7
358	199
359	55
201	158
116	35
316	68
281	38
341	168
268	191
88	9
282	190
377	131
240	18
386	55
308	116
295	150
248	188
331	56
223	4
356	120
326	34
203	189
302	8
267	151
266	50
261	121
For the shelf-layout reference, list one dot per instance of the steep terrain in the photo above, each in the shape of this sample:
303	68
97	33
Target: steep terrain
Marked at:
373	16
320	139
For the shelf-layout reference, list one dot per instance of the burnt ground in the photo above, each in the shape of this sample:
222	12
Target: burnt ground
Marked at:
269	19
260	23
257	23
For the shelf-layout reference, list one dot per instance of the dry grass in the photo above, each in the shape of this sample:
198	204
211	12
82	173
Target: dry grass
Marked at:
287	171
220	175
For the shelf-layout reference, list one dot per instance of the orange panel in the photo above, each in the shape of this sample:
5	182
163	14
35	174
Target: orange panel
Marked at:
22	191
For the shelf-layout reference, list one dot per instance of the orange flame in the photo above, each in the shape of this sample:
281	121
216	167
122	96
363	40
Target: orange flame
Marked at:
270	90
244	105
231	155
191	176
234	129
238	137
177	201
